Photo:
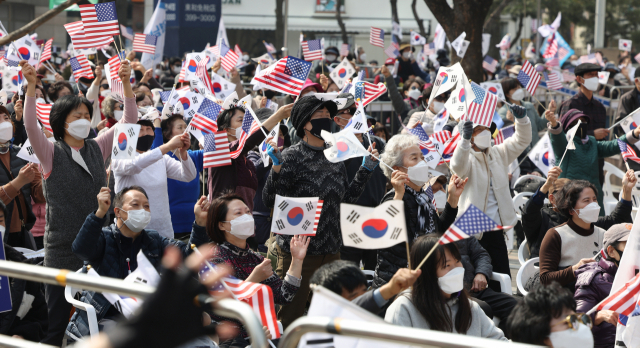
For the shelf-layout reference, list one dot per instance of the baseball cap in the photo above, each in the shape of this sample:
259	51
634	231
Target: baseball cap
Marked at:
616	233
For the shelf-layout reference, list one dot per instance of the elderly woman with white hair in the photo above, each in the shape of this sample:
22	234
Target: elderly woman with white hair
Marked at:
408	177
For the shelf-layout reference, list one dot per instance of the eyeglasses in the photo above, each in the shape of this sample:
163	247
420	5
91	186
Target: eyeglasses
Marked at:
349	111
572	321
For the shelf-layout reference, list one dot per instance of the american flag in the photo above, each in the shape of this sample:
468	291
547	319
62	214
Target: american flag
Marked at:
450	147
423	139
429	192
256	295
589	58
553	81
562	52
481	108
201	72
503	134
116	87
567	76
429	48
42	112
442	136
489	64
249	126
344	49
394	42
206	118
145	43
127	32
627	151
553	61
183	72
46	51
311	50
470	223
114	66
287	75
376	37
229	60
552	48
216	150
237	50
624	300
80	41
529	77
164	96
392	51
270	48
80	67
100	20
368	92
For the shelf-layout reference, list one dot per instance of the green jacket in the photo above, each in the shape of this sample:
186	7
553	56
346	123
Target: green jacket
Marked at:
537	123
582	163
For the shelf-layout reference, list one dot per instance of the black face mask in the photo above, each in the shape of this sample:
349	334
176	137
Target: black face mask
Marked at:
145	142
619	254
319	125
582	130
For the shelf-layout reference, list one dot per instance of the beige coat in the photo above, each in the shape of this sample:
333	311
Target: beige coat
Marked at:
467	162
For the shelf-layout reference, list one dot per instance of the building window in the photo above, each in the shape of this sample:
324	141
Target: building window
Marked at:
15	16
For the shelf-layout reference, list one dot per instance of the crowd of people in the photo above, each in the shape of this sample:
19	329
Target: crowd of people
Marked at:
84	208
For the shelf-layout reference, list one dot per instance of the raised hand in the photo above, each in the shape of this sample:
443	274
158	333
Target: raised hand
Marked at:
104	202
200	210
298	246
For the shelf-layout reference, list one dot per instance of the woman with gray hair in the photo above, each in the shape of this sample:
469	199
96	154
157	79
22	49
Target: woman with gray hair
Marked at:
112	111
408	177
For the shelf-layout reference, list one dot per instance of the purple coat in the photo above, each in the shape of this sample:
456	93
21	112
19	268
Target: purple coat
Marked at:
593	284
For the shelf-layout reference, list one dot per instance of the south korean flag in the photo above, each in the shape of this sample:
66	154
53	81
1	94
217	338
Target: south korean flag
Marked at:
342	73
274	134
293	216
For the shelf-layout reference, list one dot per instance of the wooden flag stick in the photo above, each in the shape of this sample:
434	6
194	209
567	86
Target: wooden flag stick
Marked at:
429	254
120	38
204	182
408	254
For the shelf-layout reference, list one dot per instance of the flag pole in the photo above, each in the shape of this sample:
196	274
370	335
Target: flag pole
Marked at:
624	118
212	269
426	257
39	60
624	159
408	254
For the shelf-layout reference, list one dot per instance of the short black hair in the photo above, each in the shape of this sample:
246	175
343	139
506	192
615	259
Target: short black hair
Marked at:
55	88
338	275
147	123
167	126
571	194
224	120
118	200
509	83
529	321
61	109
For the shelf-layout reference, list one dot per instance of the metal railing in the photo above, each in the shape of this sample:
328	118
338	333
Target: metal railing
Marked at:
226	308
397	335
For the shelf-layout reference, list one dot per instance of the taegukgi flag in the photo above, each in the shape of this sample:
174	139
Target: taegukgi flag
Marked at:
373	228
299	215
274	134
344	145
125	140
342	72
542	155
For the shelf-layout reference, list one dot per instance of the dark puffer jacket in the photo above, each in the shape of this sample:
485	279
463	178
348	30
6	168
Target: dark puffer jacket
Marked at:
393	258
538	218
475	259
593	284
101	248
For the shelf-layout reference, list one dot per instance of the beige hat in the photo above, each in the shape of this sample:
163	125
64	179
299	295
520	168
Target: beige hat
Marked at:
515	69
616	233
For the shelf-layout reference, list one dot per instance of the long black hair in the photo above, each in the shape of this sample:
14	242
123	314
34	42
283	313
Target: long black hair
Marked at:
61	109
426	294
224	120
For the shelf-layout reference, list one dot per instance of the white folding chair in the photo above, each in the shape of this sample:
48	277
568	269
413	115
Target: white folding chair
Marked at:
23	251
609	200
69	294
525	272
368	273
505	286
523	252
520	200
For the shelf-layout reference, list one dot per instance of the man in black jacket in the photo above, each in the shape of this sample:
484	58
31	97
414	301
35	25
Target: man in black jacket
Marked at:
629	102
374	189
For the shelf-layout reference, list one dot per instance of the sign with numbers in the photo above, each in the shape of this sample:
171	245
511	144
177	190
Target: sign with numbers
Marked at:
373	228
125	140
298	215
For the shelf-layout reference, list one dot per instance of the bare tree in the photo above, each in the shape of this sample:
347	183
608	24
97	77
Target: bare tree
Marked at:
394	11
279	23
468	16
36	22
418	19
519	32
495	14
343	29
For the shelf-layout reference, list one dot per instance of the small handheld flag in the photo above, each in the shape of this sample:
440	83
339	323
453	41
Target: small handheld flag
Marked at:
373	228
216	150
504	134
145	43
299	215
376	37
125	139
311	50
42	113
627	152
287	75
529	77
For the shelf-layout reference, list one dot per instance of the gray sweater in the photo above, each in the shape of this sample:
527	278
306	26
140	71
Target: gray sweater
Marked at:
402	312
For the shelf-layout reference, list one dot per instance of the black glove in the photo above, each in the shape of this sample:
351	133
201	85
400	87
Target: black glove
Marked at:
466	129
167	318
518	111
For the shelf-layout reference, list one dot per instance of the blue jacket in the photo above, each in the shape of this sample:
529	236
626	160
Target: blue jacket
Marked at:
182	195
100	247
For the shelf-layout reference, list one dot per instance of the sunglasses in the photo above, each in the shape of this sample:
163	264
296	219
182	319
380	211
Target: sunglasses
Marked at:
350	111
573	320
105	86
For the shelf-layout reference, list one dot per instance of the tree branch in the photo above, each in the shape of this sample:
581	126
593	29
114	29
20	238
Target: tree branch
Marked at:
443	13
517	37
36	22
343	29
394	11
496	12
418	19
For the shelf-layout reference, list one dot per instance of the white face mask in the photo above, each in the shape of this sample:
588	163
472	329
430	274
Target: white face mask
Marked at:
437	107
363	57
176	69
591	84
483	140
41	101
117	114
590	213
79	129
582	337
2	230
158	72
137	220
245	57
105	93
518	95
331	57
414	94
406	55
419	174
6	131
52	139
242	227
453	281
574	62
238	132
